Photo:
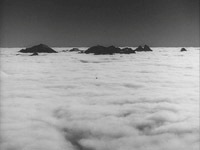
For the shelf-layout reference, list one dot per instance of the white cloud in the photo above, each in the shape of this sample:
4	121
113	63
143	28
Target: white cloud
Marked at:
137	102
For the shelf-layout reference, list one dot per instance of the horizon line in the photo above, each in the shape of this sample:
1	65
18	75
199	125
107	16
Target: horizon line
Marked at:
96	45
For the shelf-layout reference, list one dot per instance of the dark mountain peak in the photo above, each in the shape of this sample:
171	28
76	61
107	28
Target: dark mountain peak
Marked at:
101	50
145	49
41	48
183	50
139	49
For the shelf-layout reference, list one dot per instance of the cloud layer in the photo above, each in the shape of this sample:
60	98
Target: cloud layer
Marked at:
147	101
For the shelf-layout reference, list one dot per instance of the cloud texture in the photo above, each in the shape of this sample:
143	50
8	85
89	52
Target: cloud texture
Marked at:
68	101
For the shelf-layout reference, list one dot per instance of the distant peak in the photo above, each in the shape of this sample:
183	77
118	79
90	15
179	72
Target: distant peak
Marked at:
43	45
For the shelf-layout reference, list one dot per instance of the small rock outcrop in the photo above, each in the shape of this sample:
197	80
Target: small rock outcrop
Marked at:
74	50
139	49
101	50
183	50
41	48
65	50
34	54
127	50
146	48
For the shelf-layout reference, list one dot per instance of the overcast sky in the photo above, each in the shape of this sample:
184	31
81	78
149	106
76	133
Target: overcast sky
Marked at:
107	22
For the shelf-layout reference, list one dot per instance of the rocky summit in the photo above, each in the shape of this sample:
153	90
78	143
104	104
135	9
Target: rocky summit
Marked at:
127	50
41	48
146	48
102	50
183	50
74	50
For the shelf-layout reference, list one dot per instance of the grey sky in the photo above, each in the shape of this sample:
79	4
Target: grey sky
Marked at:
106	22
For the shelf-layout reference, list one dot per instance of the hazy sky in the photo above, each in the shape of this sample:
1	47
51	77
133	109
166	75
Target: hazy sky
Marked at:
107	22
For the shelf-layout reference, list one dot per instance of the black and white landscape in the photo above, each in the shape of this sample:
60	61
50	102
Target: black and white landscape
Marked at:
90	85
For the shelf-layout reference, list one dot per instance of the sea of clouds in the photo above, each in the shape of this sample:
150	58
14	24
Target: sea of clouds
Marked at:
70	101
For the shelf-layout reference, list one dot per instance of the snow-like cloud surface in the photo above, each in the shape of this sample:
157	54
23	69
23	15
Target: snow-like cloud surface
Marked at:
68	101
